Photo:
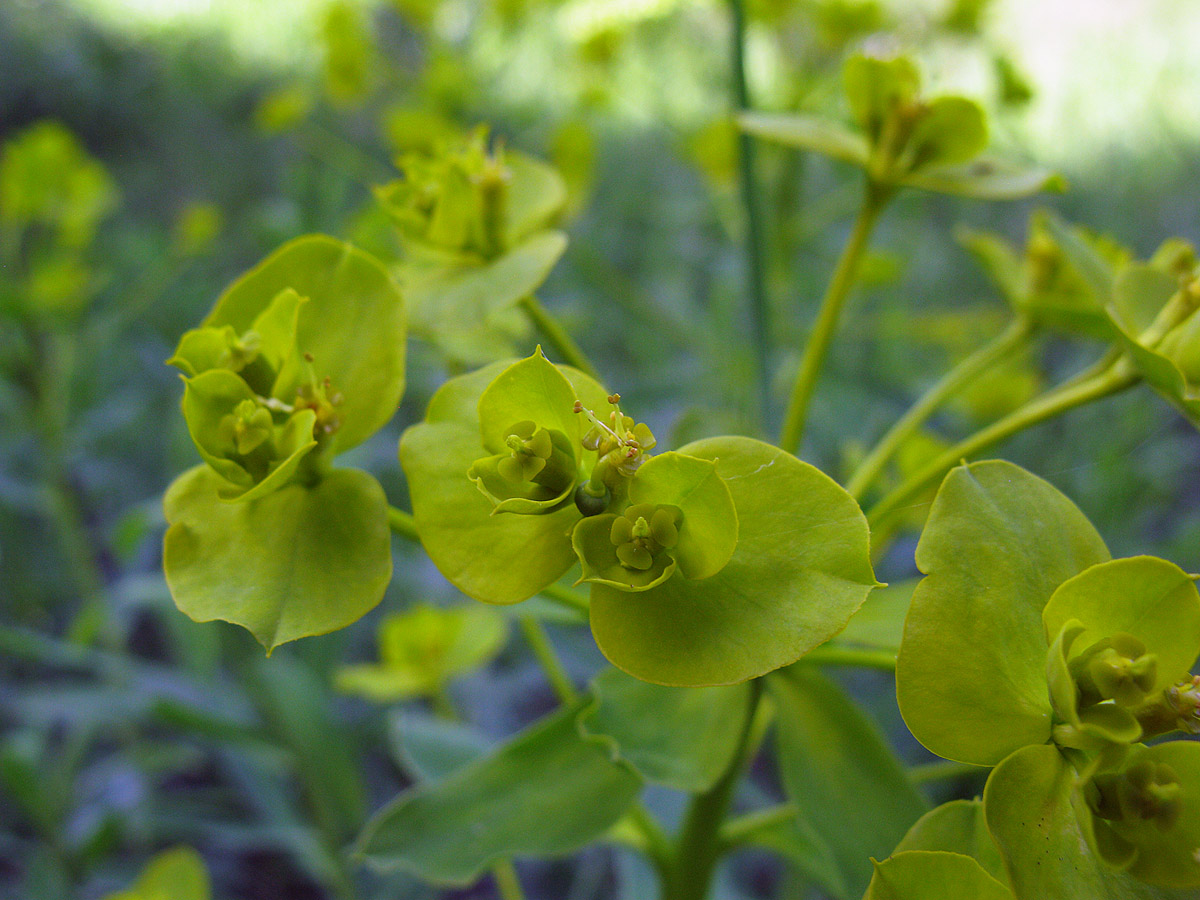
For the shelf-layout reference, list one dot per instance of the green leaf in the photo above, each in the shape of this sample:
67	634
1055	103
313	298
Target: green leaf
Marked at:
1151	599
808	133
1030	804
175	874
800	570
800	843
297	562
708	532
830	759
926	875
353	326
952	131
959	827
998	258
971	675
297	705
877	88
462	309
530	390
535	196
497	559
684	738
986	179
429	748
879	624
545	793
423	648
1140	291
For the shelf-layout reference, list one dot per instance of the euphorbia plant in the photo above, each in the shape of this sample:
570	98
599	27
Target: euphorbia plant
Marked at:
718	572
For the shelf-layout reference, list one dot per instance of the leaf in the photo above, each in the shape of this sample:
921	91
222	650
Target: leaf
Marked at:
423	648
708	532
926	875
959	827
299	709
460	308
971	674
998	258
1151	599
684	738
545	793
1029	809
877	88
880	622
496	559
175	874
430	748
952	131
800	570
353	325
532	389
808	133
297	562
985	179
535	196
830	759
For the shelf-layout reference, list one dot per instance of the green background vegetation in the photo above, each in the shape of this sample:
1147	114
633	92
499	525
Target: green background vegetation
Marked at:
230	127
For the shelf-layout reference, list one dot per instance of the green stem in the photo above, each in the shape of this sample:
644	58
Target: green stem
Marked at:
743	830
755	281
834	300
1006	343
539	643
884	660
699	846
942	770
507	883
564	345
402	524
1047	406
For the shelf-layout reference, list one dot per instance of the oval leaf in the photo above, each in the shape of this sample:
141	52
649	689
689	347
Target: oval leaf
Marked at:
353	325
971	675
1151	599
297	562
800	570
830	758
451	830
684	738
926	875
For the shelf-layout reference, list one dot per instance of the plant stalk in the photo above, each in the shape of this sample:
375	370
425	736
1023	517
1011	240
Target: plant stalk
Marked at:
756	289
813	358
539	643
564	345
699	846
1047	406
1005	344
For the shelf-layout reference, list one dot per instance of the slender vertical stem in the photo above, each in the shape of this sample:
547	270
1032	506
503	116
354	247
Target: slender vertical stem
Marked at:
815	350
1006	343
755	279
539	643
1047	406
507	883
564	345
699	847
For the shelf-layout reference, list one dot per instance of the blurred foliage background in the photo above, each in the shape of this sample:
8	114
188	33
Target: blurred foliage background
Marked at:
154	149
